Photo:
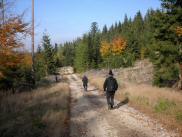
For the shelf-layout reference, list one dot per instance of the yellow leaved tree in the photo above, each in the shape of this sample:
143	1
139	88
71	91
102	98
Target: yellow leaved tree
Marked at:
105	49
110	51
15	63
11	34
116	47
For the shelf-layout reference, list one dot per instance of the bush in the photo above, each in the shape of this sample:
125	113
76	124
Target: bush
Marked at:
17	79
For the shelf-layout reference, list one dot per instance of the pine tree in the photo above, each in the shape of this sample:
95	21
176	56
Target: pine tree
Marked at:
80	61
68	53
56	48
48	55
119	27
90	50
39	49
40	65
94	29
94	46
166	22
105	33
138	29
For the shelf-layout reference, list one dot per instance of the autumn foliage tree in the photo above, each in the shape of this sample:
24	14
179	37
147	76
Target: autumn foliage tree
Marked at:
11	59
105	49
10	41
113	50
116	47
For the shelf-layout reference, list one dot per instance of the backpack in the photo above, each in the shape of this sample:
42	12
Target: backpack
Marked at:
111	84
85	79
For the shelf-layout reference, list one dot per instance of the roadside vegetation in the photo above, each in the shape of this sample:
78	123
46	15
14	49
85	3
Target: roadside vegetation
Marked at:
32	104
44	112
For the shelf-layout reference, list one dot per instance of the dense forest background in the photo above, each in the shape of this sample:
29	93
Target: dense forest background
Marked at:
156	36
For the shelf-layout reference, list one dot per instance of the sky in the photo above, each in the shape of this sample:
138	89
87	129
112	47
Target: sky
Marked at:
65	20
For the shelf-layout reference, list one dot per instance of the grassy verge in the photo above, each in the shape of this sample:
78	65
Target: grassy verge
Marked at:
162	104
40	113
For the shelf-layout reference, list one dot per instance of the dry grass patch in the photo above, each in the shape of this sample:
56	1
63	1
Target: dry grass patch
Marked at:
162	103
97	81
40	113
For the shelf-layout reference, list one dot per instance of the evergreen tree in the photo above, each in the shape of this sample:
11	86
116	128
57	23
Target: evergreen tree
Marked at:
81	62
39	49
94	29
68	53
104	31
166	22
94	46
56	48
90	50
40	65
48	55
138	29
119	27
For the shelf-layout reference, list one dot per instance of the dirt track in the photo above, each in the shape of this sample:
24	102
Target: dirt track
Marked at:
91	118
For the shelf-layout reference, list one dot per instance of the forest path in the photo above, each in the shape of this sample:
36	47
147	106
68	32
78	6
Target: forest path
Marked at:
91	118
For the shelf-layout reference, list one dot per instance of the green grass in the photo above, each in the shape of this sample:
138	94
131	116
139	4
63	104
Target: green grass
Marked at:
179	116
142	100
163	105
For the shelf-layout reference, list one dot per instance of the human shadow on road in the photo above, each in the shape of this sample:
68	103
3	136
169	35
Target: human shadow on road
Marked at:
84	111
124	102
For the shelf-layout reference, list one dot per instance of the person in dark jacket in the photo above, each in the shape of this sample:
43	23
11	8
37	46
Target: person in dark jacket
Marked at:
110	87
85	82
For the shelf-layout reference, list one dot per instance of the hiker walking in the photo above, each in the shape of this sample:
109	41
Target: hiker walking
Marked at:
85	82
110	86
